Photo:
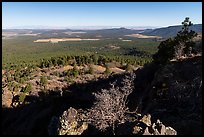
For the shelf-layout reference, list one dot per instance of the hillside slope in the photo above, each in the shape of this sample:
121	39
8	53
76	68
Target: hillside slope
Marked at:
171	93
174	95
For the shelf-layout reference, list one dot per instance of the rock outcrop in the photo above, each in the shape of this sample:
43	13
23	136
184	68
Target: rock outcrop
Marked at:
70	123
75	122
157	128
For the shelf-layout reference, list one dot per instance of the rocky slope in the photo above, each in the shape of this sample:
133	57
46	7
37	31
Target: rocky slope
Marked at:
158	100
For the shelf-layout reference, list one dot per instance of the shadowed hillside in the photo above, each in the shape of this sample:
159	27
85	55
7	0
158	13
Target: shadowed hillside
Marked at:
171	93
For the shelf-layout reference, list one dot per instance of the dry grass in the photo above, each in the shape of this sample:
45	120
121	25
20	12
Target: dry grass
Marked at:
55	40
126	40
98	68
3	72
68	67
116	70
9	34
142	36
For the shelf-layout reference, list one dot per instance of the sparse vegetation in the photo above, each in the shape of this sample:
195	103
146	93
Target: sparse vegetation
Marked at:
90	70
73	72
107	70
27	89
22	97
129	68
43	81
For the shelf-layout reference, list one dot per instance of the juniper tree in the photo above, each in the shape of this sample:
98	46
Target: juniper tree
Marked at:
107	70
43	81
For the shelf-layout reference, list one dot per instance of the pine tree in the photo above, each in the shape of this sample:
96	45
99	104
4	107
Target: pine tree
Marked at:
181	45
184	39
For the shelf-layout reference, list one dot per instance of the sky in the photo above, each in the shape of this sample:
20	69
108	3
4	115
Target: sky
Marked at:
66	14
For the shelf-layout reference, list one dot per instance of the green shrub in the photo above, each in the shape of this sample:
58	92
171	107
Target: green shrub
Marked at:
68	79
10	86
128	68
48	77
90	71
28	88
21	80
73	72
107	71
56	73
22	97
43	81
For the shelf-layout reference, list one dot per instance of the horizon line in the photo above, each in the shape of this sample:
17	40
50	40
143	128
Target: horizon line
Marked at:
87	27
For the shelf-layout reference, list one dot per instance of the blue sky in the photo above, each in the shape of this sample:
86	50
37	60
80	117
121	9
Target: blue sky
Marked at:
64	14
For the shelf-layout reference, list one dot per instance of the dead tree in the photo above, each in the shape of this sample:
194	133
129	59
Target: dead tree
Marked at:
111	105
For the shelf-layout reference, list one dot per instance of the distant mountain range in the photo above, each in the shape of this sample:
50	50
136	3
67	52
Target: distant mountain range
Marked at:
80	27
170	31
165	32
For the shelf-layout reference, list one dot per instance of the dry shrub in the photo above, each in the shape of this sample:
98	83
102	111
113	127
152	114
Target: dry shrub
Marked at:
111	105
